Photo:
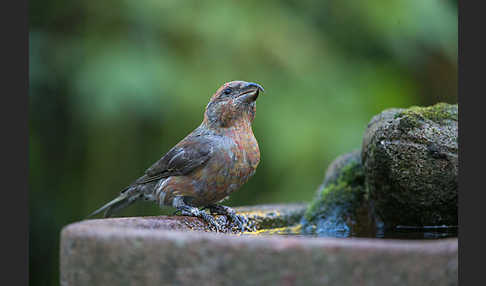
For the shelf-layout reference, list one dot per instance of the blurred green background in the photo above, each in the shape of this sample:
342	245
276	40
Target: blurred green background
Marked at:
115	84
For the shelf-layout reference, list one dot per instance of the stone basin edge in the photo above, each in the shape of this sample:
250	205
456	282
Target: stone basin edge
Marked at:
188	229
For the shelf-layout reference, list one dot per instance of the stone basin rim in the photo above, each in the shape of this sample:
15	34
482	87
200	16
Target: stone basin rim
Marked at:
125	229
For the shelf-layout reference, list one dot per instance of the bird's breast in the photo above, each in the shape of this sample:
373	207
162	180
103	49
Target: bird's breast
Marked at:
235	158
245	150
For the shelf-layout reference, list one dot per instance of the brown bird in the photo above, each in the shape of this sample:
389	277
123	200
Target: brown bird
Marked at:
210	163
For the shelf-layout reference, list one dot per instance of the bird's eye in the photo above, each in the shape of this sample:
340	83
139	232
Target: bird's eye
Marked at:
227	91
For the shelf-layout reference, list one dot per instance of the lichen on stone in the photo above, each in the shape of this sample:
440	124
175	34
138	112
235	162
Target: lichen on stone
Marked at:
285	230
269	218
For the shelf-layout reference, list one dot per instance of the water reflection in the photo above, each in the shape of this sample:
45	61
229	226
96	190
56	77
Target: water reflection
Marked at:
400	232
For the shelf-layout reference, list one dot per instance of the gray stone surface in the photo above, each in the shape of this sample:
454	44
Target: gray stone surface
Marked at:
410	157
163	251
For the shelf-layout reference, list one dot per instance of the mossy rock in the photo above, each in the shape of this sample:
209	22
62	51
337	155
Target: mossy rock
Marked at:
340	208
410	157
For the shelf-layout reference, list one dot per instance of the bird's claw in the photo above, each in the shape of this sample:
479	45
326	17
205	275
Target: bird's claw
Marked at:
195	212
238	221
211	221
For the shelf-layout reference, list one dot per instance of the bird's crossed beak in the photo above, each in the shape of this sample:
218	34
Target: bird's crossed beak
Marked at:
250	92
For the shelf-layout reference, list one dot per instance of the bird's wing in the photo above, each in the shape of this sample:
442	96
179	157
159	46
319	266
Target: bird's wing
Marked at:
190	154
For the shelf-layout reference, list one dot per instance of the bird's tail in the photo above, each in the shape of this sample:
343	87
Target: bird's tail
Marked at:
122	201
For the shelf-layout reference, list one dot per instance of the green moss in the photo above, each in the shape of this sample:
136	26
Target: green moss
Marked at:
346	193
413	116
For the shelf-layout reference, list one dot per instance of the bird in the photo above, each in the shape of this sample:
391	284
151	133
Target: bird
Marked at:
203	169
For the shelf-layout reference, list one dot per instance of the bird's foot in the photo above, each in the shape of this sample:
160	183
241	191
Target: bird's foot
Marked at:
195	212
239	221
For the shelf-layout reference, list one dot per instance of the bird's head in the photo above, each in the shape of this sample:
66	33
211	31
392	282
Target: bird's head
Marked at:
233	102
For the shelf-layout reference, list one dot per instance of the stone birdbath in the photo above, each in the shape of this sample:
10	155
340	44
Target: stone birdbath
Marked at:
355	197
178	250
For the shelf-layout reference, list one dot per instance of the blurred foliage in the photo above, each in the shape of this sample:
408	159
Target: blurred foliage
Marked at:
115	84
